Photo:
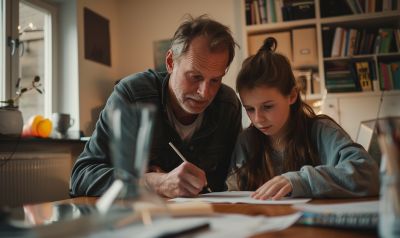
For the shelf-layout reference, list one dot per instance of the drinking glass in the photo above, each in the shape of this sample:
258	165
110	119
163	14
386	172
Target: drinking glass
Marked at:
389	205
131	132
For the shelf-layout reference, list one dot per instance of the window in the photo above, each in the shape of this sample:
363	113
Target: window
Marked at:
2	53
26	53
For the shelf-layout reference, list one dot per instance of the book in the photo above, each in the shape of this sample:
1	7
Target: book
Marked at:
386	39
353	215
363	75
385	74
271	8
395	67
352	6
248	12
262	9
330	8
352	42
257	18
278	10
327	40
337	42
345	42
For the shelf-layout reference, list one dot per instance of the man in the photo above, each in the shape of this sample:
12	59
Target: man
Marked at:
196	112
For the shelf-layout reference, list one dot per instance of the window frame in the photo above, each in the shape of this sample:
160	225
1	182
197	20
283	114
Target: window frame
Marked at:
10	68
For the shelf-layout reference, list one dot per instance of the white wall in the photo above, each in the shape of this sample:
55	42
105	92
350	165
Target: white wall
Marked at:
143	22
96	80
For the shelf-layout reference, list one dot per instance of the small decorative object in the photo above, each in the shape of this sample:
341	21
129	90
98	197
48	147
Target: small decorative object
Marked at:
37	126
11	121
161	48
62	122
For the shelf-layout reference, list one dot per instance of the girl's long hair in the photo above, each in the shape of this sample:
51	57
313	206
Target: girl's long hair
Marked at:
273	70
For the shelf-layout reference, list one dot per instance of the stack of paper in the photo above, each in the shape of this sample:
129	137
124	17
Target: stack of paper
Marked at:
239	197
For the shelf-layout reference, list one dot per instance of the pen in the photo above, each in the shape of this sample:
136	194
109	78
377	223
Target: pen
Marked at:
185	160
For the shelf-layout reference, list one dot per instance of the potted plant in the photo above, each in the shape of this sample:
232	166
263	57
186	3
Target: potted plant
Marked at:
11	121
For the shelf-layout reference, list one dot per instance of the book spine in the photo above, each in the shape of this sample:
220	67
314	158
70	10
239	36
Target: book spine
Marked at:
336	47
395	67
248	11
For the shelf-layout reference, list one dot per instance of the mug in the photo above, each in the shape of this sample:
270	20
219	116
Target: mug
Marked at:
62	122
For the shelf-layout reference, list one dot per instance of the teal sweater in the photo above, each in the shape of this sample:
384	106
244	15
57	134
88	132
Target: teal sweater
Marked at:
346	169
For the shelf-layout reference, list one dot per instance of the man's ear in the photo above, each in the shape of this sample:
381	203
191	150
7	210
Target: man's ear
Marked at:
293	95
169	61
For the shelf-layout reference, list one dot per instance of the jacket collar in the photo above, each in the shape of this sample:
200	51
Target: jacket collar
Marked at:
210	119
164	92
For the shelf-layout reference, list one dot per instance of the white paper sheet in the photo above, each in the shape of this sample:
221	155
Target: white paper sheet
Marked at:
238	197
221	225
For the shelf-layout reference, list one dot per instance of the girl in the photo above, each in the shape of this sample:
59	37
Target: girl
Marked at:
288	150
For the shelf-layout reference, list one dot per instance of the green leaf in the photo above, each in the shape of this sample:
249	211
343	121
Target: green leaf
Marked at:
9	102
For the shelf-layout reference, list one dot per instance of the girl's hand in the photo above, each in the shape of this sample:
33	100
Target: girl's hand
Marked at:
275	189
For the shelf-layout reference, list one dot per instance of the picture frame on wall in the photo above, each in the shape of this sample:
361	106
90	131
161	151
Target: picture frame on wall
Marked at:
161	48
97	37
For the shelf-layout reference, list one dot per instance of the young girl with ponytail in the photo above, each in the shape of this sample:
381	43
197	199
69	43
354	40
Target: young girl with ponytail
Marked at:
288	150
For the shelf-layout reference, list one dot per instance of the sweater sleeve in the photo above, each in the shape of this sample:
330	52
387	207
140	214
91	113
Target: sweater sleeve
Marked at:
239	157
346	169
92	173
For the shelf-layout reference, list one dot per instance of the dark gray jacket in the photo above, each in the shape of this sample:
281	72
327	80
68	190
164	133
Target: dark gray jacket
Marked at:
210	147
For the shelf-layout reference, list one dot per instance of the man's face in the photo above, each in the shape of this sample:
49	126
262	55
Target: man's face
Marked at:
195	77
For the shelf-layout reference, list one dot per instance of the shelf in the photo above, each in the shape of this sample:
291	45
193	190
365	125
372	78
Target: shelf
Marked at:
378	17
364	94
279	26
391	54
311	97
368	21
349	57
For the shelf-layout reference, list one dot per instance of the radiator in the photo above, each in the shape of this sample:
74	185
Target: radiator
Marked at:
34	177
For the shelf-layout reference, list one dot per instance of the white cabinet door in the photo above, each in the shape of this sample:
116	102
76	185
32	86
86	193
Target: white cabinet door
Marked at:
353	110
390	106
330	107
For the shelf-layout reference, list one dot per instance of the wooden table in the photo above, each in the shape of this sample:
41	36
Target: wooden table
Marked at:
277	210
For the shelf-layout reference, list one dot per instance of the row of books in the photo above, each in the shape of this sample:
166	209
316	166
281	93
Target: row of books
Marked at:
360	76
341	42
270	11
308	81
369	6
344	77
330	8
390	75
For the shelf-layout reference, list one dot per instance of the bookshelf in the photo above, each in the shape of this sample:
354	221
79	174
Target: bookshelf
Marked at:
324	17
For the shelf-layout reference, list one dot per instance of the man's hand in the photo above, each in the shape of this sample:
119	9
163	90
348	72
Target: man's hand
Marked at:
186	180
275	189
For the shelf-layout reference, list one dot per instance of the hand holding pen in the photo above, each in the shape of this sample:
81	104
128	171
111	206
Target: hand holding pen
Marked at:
185	160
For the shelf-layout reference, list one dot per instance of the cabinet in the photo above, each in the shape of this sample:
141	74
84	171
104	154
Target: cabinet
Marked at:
348	105
349	109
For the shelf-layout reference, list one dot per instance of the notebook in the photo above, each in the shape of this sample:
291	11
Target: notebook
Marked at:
354	215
